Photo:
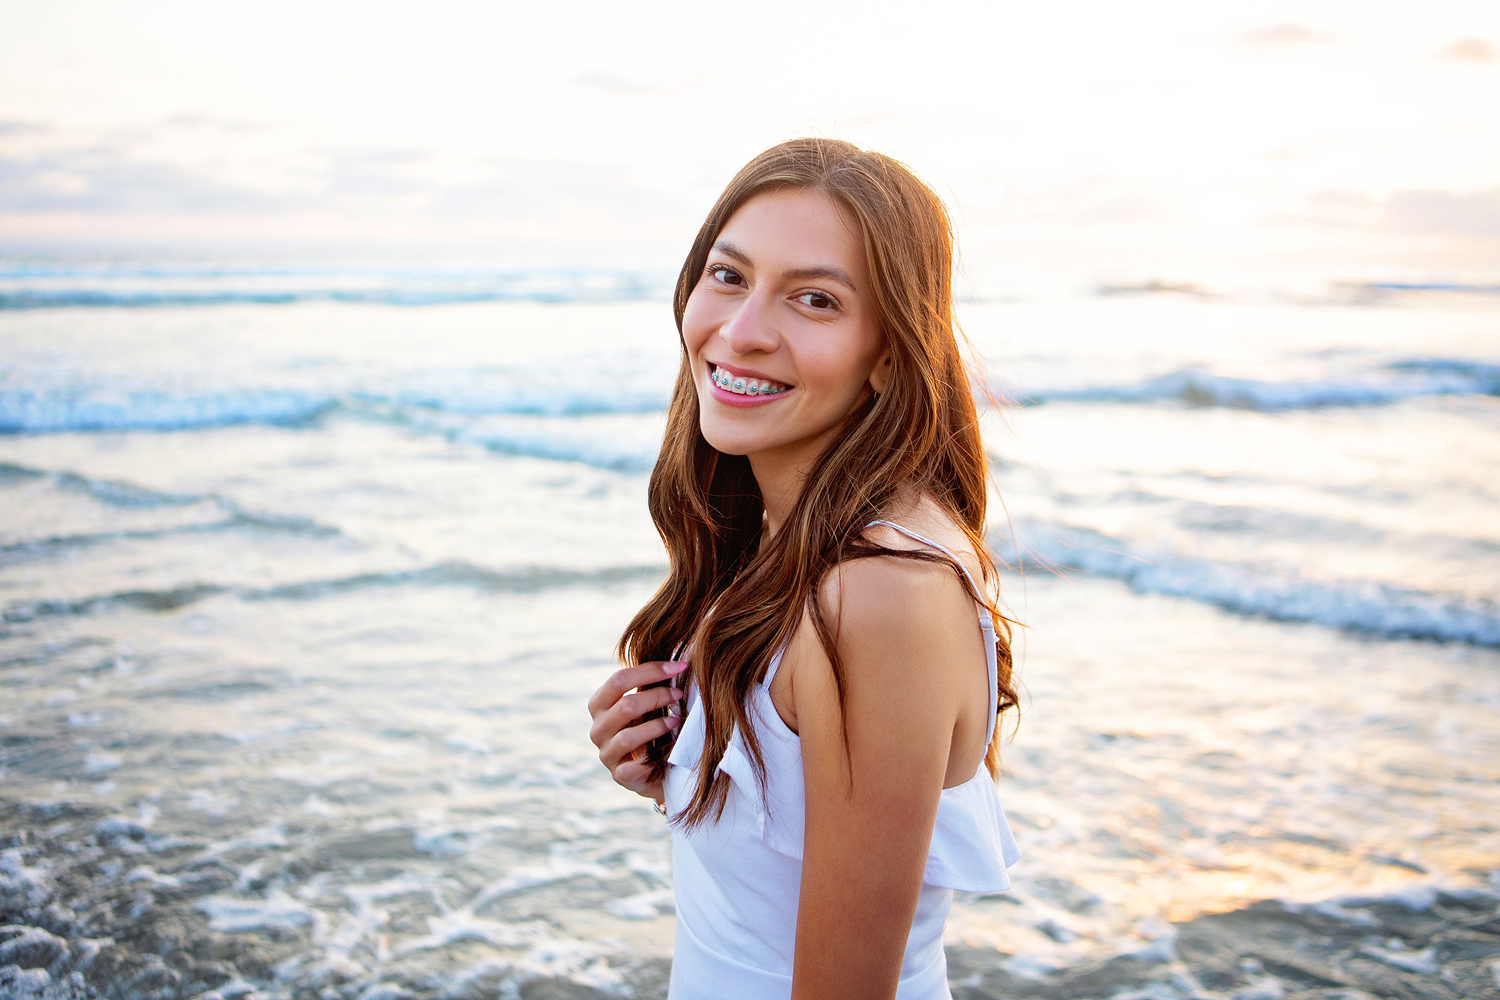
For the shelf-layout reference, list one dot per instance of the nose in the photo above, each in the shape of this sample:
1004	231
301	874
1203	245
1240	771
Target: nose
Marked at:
750	329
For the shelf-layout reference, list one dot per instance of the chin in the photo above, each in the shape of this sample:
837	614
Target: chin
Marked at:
729	444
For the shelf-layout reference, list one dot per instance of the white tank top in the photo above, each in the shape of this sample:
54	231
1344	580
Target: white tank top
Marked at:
738	880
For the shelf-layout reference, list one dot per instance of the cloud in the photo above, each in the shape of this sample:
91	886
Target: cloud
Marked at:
21	128
1469	50
1282	36
103	179
1427	212
376	174
189	167
1475	213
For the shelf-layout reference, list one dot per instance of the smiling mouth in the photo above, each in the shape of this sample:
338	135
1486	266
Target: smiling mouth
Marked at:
741	386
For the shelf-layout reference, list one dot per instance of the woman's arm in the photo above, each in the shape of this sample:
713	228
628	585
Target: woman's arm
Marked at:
906	635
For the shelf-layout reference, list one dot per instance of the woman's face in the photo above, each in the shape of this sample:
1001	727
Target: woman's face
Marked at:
781	329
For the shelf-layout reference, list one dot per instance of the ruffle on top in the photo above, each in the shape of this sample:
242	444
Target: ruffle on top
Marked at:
971	844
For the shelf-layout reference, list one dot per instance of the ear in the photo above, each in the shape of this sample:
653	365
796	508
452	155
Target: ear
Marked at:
882	372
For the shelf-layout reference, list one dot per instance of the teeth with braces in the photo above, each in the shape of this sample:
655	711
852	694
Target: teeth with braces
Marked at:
745	386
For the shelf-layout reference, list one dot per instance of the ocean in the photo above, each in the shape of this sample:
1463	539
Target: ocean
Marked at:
306	572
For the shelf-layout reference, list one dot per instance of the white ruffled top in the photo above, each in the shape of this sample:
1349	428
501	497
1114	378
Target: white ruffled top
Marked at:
738	880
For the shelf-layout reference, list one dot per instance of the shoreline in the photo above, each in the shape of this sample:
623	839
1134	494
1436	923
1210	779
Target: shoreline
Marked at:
95	906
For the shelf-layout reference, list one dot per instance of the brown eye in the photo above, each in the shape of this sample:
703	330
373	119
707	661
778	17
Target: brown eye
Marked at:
726	275
818	301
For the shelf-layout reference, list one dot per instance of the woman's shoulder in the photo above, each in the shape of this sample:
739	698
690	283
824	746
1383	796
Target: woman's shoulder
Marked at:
901	626
904	593
934	529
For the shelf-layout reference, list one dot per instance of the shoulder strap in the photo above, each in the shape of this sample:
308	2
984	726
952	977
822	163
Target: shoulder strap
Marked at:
774	666
986	621
973	586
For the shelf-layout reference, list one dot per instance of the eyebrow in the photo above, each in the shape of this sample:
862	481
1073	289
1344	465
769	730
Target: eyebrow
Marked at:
822	271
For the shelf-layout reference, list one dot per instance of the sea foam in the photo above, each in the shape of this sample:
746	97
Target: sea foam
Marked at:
1200	386
1272	592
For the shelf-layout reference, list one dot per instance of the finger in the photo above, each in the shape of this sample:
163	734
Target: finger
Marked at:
612	724
628	710
629	678
634	775
628	741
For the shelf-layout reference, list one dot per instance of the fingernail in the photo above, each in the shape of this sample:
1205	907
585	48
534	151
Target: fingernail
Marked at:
676	693
674	667
673	722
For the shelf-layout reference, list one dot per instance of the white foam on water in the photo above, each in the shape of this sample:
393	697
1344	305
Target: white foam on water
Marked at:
93	409
437	836
141	873
461	925
1276	592
211	802
383	991
362	926
1417	898
1424	961
101	762
268	835
1030	967
555	870
164	285
580	961
278	911
465	983
1348	914
621	442
646	905
1201	386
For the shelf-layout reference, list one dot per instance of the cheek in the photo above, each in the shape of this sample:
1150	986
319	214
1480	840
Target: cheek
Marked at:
840	369
697	323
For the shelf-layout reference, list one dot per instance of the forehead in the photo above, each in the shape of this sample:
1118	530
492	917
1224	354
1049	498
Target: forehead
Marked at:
796	228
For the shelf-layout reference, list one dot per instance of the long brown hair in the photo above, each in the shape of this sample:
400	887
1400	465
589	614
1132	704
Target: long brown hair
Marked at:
737	602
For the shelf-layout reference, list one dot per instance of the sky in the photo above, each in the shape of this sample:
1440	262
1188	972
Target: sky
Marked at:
1152	139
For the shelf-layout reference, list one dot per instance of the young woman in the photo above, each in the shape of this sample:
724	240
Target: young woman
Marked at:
818	681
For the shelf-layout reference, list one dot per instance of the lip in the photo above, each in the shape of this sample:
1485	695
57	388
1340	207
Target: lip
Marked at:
735	399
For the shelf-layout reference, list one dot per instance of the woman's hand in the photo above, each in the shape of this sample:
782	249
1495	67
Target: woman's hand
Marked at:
617	730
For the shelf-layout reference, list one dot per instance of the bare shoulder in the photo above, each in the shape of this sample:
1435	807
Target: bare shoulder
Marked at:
899	625
931	522
896	603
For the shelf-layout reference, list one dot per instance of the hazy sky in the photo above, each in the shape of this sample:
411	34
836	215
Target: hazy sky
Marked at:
601	132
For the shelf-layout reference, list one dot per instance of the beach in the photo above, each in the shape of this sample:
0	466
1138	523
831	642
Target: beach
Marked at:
306	575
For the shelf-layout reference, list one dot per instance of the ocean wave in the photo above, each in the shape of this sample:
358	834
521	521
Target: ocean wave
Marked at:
1198	386
519	580
638	385
122	493
32	411
163	599
90	298
455	573
1271	592
84	406
635	384
167	287
623	442
49	547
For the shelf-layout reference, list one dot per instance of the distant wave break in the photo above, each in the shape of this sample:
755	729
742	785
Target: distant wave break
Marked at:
81	407
1199	387
1354	605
